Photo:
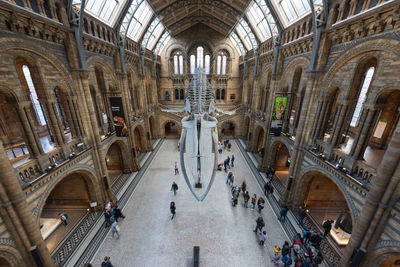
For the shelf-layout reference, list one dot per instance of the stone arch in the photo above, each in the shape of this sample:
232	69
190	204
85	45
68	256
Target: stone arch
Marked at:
378	45
223	125
280	154
140	138
302	183
302	62
173	47
124	152
88	176
17	45
226	47
259	141
152	125
385	257
9	256
170	121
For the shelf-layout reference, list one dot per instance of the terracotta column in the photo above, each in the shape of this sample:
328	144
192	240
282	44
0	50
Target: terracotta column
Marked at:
339	126
70	118
364	132
288	111
377	197
52	121
33	141
78	117
59	121
95	136
14	201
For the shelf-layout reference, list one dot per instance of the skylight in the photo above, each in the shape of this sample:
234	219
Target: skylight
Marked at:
162	42
154	32
245	33
237	43
292	10
105	10
260	16
140	13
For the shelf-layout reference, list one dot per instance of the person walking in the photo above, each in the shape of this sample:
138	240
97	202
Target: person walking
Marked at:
259	224
107	217
231	180
174	187
263	237
64	218
266	189
106	262
286	249
176	168
172	207
232	160
118	213
246	198
283	214
287	260
229	146
228	161
301	214
327	227
260	204
253	201
115	229
244	187
228	178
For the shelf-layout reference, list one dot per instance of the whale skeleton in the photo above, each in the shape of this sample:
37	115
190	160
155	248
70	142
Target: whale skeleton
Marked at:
199	140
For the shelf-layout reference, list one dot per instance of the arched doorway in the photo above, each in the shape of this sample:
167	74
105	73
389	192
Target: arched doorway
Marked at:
281	162
324	200
228	129
171	129
260	140
138	134
114	162
71	196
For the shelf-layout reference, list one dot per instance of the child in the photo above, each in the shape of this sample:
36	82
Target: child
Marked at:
263	236
277	251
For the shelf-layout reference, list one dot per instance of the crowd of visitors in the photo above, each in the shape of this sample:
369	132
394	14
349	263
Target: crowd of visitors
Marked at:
111	215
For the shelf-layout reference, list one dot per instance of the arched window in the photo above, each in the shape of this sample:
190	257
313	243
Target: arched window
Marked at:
176	94
218	94
33	95
180	64
207	64
223	94
362	96
182	93
218	65
200	59
221	64
176	70
192	63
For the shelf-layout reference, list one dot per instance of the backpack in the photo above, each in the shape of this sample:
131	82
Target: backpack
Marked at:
176	187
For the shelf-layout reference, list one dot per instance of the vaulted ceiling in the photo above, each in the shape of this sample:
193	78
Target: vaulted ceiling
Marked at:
179	15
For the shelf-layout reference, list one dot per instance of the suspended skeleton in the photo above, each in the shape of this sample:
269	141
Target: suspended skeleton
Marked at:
199	139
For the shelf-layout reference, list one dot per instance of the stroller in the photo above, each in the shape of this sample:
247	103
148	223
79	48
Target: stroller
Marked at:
219	167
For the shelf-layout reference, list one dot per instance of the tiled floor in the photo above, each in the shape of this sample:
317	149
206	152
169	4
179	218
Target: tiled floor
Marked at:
224	233
74	216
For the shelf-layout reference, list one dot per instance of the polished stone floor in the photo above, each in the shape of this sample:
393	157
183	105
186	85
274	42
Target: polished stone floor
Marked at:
224	233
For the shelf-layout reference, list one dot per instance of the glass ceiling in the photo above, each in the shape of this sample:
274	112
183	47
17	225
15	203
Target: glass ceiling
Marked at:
140	14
